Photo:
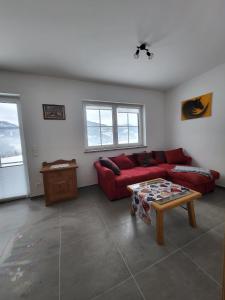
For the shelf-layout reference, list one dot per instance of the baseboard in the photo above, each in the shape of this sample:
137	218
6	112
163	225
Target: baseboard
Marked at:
87	186
220	186
79	188
37	196
13	199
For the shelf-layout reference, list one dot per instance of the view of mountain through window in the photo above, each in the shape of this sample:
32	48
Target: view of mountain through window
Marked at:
99	126
10	142
110	125
127	121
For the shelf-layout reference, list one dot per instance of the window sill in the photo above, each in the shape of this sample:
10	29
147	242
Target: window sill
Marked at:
112	149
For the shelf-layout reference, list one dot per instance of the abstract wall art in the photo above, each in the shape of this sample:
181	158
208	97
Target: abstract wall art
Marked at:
197	107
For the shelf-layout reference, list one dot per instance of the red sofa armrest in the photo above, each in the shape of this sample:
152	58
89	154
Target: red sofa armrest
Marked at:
106	180
104	172
188	160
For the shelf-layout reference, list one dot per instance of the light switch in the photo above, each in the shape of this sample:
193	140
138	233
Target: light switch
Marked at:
35	151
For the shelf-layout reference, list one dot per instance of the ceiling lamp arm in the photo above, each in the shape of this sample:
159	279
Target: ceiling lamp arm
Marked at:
143	47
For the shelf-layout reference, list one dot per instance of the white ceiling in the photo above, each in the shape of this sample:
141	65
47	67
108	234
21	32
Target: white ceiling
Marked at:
96	39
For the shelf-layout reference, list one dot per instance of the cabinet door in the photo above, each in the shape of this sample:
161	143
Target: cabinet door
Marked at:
61	185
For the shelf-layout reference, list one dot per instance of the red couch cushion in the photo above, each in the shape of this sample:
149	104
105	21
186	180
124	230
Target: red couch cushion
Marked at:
133	159
138	174
123	162
175	156
159	156
145	159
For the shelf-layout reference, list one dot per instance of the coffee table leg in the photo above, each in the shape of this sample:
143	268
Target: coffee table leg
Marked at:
159	227
132	210
191	214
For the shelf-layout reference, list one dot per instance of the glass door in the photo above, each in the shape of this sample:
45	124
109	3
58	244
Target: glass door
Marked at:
13	179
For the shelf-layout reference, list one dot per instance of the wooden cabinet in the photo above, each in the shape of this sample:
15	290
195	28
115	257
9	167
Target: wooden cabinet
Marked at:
60	180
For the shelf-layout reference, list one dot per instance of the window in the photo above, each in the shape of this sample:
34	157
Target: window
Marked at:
112	125
10	143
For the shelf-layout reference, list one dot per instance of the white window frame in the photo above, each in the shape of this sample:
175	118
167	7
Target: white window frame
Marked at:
116	145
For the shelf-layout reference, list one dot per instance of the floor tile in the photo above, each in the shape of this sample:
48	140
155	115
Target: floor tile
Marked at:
212	205
125	291
220	229
207	252
115	212
137	241
33	281
5	238
178	230
80	224
177	278
32	244
90	267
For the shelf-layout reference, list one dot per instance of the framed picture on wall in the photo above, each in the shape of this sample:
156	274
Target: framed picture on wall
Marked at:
197	107
54	112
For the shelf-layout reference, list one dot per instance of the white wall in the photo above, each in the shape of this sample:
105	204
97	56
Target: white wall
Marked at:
204	138
63	139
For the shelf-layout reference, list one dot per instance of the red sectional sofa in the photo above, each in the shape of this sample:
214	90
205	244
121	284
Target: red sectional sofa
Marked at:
115	186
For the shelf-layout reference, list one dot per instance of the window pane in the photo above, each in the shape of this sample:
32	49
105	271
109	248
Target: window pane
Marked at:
93	134
10	142
106	117
128	110
133	119
92	117
107	135
133	135
122	119
123	135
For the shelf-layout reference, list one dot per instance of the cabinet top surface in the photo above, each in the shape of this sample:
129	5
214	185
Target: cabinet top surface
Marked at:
58	165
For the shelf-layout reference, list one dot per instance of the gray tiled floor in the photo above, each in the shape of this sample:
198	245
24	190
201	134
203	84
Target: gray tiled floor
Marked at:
91	248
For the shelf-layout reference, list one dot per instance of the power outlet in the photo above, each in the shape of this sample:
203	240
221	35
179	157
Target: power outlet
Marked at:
38	184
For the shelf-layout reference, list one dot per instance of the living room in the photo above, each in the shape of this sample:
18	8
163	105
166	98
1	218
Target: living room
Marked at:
76	56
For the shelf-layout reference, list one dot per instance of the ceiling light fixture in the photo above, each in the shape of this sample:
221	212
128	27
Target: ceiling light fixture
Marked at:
143	47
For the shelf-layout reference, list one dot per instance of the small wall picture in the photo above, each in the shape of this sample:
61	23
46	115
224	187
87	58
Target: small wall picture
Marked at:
197	107
54	112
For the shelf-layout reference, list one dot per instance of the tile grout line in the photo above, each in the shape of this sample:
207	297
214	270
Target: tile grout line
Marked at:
205	272
60	244
123	258
158	261
200	236
112	288
177	249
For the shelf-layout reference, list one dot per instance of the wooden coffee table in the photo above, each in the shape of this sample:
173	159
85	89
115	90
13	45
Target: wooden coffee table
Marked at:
187	200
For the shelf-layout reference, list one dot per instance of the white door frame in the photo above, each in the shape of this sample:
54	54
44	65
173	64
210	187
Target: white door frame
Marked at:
15	98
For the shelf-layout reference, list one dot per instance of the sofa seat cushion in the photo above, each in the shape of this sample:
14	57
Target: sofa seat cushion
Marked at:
166	166
193	178
138	174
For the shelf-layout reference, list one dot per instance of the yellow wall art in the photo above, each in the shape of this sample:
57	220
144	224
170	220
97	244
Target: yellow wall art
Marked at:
197	107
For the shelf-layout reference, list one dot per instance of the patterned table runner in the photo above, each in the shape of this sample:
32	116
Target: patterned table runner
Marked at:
159	190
